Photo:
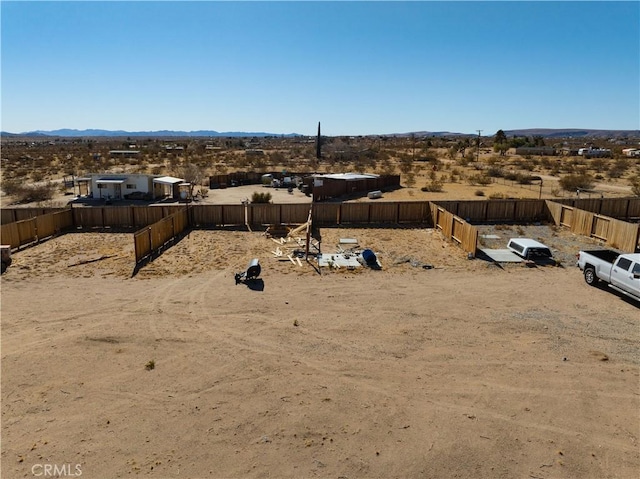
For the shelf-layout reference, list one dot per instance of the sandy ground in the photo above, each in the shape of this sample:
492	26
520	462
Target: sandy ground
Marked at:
465	370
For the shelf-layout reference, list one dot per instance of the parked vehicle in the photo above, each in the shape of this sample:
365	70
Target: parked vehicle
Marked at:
529	249
620	271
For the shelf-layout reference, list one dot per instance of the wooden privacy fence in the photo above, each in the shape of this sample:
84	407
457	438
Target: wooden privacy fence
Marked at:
616	233
619	208
455	228
323	213
121	216
490	211
11	215
152	238
416	212
27	231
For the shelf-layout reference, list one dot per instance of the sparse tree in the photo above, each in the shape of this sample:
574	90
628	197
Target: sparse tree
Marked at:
193	175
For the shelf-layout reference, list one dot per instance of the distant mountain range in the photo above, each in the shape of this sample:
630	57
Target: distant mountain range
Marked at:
66	132
543	132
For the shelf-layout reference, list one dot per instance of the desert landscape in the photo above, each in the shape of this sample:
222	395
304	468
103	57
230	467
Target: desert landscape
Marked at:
466	369
434	365
341	240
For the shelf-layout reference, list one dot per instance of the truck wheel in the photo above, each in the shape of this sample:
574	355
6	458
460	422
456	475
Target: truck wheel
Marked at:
590	276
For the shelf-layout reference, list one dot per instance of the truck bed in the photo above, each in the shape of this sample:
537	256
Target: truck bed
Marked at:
604	254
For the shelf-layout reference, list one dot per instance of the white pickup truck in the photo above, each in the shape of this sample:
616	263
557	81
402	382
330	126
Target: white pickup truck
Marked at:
620	271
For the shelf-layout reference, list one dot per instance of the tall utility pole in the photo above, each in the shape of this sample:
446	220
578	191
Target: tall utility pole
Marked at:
318	146
478	147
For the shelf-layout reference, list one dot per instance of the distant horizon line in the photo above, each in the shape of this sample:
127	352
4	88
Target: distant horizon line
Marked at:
75	132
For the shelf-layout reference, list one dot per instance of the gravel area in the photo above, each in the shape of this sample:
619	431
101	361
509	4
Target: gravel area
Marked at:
564	244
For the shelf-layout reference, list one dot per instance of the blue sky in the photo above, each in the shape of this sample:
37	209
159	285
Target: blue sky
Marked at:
358	67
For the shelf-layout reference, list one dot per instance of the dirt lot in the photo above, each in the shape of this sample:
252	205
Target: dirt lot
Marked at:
463	370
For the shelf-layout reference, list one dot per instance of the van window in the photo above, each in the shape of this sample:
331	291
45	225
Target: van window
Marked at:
624	263
636	268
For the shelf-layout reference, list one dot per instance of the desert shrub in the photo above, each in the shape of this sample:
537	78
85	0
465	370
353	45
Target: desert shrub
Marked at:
410	179
479	193
258	197
495	172
618	168
12	187
29	193
575	182
434	186
497	196
479	179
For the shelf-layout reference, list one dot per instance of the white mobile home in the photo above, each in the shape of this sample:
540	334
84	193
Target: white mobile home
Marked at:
112	186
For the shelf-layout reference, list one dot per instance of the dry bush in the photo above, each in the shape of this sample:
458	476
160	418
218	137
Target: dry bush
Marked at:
29	193
575	182
258	197
479	179
434	186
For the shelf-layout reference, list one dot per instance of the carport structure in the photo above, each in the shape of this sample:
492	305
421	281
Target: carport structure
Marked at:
167	186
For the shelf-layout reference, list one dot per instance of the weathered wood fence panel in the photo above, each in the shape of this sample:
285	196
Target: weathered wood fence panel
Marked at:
233	215
88	217
619	208
414	212
45	226
555	211
624	236
479	211
566	216
7	216
142	243
118	216
11	215
618	234
63	220
295	213
383	212
600	227
37	228
455	228
145	216
27	231
263	214
152	238
326	213
354	213
582	222
633	209
207	215
10	235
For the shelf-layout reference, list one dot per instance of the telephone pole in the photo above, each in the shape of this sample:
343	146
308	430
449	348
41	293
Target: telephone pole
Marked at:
319	144
478	147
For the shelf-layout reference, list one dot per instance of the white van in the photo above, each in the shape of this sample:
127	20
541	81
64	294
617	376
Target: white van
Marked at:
529	249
